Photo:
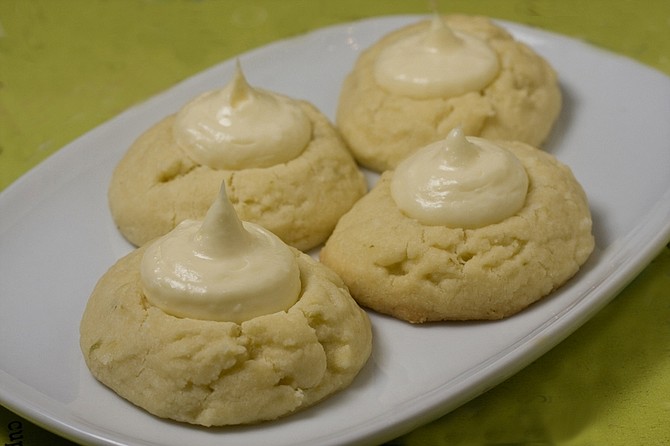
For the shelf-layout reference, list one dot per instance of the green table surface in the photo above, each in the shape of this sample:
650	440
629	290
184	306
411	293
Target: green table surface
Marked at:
67	66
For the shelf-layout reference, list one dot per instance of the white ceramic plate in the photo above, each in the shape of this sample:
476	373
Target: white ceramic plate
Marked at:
57	239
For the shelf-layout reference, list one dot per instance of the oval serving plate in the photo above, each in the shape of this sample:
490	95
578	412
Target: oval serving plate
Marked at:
57	239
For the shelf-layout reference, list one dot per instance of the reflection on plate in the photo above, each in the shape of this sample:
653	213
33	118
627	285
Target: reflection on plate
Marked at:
57	238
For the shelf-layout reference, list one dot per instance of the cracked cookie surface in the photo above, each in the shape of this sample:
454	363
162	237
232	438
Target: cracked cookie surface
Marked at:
396	265
382	128
222	373
155	186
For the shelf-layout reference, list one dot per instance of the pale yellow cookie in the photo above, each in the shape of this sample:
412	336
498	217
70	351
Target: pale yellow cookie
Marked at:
155	186
398	266
521	103
222	373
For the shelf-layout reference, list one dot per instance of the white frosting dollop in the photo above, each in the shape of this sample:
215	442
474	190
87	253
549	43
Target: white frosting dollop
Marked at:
460	183
220	269
436	62
240	127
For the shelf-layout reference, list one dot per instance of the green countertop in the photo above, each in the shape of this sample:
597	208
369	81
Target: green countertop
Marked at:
67	66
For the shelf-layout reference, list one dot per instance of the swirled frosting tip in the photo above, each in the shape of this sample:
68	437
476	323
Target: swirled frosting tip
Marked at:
220	268
460	182
241	127
436	61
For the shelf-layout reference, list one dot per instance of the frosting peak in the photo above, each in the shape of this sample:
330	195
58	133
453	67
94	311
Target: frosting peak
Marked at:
436	62
240	127
220	269
460	183
439	36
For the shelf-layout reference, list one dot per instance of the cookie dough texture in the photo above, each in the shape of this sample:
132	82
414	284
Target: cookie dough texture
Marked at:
415	272
222	373
381	128
155	186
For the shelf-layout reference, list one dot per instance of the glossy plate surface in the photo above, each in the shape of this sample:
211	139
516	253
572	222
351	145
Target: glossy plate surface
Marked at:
57	238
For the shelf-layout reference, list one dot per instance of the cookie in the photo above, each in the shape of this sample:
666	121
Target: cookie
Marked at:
223	373
398	266
155	186
382	127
